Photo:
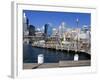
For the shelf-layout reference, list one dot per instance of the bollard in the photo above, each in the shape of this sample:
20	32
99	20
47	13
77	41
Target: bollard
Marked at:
76	57
40	58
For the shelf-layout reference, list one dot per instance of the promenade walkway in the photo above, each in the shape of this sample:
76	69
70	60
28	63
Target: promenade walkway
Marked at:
57	65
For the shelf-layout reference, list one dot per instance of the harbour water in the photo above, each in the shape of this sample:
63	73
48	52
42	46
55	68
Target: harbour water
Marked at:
30	55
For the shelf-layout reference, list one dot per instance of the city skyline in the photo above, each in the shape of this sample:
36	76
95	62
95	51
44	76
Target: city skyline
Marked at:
55	38
40	18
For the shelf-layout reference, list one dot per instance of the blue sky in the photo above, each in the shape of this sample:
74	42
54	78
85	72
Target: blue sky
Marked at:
40	18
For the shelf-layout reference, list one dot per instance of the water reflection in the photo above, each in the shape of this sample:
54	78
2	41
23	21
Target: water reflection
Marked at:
30	55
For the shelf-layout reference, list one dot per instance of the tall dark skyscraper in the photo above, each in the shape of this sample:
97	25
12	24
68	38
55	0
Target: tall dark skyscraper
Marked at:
31	30
46	29
27	22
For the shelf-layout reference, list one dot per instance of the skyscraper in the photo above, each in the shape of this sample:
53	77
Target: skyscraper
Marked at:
25	25
62	29
46	30
31	30
27	22
85	28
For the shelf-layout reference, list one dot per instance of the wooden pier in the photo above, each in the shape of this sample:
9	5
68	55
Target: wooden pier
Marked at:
61	48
